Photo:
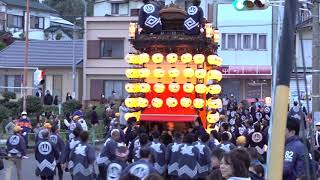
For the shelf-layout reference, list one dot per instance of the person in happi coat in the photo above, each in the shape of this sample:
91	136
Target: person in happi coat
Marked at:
149	18
135	142
204	158
46	155
116	166
144	140
143	167
82	158
16	149
194	20
56	139
69	146
226	145
158	151
257	140
46	127
187	159
172	154
74	124
108	153
25	124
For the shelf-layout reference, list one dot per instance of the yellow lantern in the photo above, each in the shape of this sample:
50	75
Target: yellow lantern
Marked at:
133	114
171	102
214	89
185	102
158	73
132	73
213	118
157	58
173	72
174	87
214	103
132	88
201	88
216	36
188	87
143	102
186	58
157	102
188	72
214	60
132	30
132	59
214	75
144	58
131	102
200	73
159	88
198	103
144	87
172	58
198	58
209	30
144	72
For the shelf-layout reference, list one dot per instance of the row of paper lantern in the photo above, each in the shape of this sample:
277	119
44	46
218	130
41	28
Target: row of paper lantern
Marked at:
172	102
143	73
214	89
172	58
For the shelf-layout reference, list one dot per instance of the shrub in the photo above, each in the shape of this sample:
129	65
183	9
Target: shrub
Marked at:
4	113
70	106
9	95
34	104
53	109
14	108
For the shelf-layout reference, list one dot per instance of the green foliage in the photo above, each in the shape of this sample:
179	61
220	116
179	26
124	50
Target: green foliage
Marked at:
70	106
2	45
53	109
59	36
13	107
9	95
34	104
100	110
4	113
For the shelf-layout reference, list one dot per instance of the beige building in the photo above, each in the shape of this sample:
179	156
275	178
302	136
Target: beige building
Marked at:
106	39
54	57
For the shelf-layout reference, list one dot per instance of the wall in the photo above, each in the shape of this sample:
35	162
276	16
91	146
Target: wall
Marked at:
307	48
232	21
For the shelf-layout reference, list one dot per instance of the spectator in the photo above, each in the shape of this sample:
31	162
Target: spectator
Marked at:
68	97
79	112
48	99
67	120
10	126
56	100
25	124
123	110
94	116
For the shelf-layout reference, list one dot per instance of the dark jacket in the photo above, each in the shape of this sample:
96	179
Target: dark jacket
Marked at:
140	168
48	99
16	145
193	21
46	155
149	18
94	117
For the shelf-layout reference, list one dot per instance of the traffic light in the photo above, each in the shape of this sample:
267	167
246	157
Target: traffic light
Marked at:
241	5
38	77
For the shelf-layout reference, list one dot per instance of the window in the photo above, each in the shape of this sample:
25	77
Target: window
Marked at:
231	41
112	48
15	21
36	22
117	86
2	83
247	41
262	42
13	81
115	8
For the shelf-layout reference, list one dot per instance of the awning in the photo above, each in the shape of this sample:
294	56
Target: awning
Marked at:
167	117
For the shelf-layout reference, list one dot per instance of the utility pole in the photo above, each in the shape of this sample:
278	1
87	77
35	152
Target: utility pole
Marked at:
315	63
73	61
26	57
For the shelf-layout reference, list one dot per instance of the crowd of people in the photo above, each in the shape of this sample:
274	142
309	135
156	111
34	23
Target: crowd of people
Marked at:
233	148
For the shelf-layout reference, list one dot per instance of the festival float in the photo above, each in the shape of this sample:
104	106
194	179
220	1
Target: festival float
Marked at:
174	77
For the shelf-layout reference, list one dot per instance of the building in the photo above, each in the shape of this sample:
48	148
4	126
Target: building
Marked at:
54	57
246	49
117	8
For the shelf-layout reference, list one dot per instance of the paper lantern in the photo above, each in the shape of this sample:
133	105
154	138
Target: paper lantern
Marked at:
213	118
214	89
185	102
198	58
200	73
157	102
157	58
214	75
172	58
201	88
188	87
144	58
159	88
133	30
158	73
132	88
144	87
132	73
186	58
188	72
144	72
198	103
214	103
214	60
209	30
174	87
132	59
143	102
171	102
173	72
131	102
133	114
